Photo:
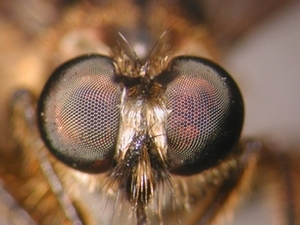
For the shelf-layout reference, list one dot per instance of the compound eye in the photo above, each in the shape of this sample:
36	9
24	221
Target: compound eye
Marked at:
78	113
206	115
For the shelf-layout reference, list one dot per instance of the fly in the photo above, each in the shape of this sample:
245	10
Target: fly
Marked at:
134	122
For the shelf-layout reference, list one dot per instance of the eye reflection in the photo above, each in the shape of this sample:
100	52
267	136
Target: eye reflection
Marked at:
79	113
96	120
206	115
80	107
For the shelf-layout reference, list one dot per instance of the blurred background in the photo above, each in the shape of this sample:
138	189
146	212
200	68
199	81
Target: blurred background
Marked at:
261	41
266	65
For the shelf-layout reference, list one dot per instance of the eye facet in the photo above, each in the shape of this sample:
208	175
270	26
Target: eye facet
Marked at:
79	113
206	115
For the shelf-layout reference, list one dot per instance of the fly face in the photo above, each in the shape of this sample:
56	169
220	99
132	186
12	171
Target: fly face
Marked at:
140	126
134	125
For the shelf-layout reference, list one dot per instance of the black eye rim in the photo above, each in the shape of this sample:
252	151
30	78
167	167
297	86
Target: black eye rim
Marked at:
235	118
94	167
188	168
